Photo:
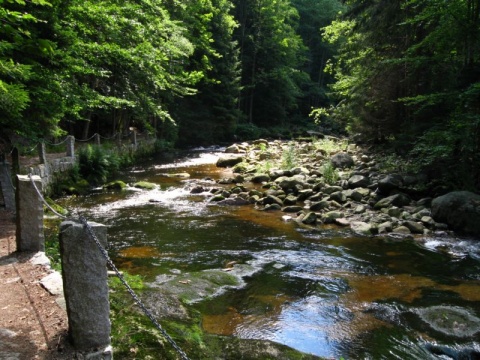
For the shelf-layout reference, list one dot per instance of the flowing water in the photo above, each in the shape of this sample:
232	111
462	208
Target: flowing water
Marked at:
322	291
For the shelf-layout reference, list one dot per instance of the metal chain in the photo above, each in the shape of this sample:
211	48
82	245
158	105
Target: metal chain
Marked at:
90	138
53	144
130	290
110	263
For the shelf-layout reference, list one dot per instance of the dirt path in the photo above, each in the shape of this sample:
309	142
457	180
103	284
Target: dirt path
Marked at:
32	324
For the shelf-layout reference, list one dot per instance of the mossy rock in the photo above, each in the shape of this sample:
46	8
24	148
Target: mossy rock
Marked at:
115	185
145	185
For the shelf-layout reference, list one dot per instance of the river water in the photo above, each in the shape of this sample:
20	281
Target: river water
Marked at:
324	291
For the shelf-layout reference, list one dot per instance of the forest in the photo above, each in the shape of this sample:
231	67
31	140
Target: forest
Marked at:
396	74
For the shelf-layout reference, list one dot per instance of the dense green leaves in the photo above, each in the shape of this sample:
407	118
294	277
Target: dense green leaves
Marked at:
408	72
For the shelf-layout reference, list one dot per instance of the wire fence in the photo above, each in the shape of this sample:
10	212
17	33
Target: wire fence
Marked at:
31	156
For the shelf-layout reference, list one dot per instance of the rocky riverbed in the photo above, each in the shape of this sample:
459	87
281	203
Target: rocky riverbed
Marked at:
333	182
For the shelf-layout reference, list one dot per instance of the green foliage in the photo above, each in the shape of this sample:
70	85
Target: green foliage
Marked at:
330	174
52	242
289	157
95	163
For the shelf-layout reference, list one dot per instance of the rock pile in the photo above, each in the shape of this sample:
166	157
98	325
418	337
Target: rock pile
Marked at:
316	186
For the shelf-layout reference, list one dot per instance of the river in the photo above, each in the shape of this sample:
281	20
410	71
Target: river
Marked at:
323	291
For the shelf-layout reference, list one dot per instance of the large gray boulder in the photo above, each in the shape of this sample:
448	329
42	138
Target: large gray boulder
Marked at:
342	160
229	160
460	210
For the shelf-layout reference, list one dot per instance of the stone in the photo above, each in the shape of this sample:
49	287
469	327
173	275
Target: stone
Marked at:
361	227
342	160
329	217
232	149
229	160
309	218
319	206
402	230
115	185
29	232
360	209
342	222
394	212
385	227
271	199
260	178
84	270
414	227
53	283
339	197
331	189
460	210
145	185
234	201
272	207
389	183
292	209
304	194
290	200
198	189
428	221
357	181
394	200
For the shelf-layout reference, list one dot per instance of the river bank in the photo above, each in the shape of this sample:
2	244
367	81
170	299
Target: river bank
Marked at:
321	182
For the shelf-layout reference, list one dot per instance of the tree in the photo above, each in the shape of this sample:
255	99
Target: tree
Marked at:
211	114
24	82
271	53
124	62
408	73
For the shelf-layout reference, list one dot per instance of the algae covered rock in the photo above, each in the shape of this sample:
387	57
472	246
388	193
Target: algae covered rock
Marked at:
115	185
145	185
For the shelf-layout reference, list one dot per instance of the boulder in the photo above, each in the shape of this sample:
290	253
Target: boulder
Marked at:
330	216
361	228
394	200
460	210
389	183
310	218
338	196
342	160
229	160
318	206
259	178
358	181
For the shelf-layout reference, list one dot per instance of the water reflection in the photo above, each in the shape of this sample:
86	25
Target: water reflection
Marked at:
323	291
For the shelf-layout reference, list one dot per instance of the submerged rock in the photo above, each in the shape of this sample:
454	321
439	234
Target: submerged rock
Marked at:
450	320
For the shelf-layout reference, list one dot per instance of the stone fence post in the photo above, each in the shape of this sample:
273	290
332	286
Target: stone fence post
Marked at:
42	153
133	138
84	271
71	146
97	139
29	234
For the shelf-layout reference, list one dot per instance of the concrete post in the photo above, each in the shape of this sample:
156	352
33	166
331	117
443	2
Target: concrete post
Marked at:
71	146
133	137
42	153
119	139
29	214
97	139
84	271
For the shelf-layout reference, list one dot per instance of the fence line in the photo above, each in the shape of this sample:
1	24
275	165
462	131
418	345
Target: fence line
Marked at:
104	253
46	167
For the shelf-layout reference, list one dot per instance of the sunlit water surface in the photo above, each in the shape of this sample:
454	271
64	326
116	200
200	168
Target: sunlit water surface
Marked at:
323	291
